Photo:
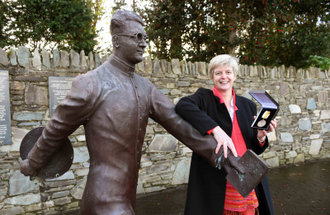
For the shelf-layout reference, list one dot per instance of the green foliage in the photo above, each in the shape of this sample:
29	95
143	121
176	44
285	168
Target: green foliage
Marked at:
270	33
288	32
320	62
48	23
119	4
3	20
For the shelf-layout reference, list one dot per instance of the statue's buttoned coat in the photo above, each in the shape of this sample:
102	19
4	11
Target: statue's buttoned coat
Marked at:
114	104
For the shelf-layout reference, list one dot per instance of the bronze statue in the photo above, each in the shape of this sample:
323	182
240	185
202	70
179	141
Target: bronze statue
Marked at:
113	103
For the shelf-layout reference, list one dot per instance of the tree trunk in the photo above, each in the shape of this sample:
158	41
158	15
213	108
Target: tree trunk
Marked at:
133	6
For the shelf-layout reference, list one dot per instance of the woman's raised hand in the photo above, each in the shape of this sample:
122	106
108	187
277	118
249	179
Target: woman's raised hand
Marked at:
263	133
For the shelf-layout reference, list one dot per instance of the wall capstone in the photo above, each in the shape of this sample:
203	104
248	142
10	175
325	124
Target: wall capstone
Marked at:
12	57
24	56
3	58
45	58
36	60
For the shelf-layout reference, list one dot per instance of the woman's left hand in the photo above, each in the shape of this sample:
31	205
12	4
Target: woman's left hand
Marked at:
263	133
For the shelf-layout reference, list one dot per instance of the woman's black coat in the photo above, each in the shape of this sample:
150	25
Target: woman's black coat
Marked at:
206	189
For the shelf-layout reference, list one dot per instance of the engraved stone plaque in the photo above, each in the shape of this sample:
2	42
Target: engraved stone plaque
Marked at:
5	130
58	89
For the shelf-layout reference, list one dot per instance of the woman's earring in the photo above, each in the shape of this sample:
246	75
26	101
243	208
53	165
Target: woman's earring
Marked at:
117	45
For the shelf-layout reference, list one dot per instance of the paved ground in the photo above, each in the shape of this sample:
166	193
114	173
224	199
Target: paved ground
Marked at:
297	190
303	189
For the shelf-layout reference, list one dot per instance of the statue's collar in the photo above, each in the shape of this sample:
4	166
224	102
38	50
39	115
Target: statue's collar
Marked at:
121	65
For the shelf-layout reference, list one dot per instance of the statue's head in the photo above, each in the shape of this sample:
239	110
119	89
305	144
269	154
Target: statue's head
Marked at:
129	39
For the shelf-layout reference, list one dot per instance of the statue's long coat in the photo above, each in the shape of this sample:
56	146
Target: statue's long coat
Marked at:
114	104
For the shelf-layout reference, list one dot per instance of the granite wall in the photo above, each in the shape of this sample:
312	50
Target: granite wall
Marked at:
302	133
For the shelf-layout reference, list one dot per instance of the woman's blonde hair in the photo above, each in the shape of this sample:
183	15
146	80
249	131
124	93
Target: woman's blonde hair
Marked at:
221	60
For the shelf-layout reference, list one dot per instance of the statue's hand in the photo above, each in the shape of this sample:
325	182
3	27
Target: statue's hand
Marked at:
232	162
27	169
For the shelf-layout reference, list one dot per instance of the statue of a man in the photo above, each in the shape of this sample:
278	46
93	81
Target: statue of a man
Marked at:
114	104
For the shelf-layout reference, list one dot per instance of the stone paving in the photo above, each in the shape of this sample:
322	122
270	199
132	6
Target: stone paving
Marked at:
302	189
296	190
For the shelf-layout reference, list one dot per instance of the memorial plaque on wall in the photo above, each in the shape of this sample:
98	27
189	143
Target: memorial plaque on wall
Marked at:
5	130
58	89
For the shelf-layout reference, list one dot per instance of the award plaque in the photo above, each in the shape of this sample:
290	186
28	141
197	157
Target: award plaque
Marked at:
268	111
58	89
5	128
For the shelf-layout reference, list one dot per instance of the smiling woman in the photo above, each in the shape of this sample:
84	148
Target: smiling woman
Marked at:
228	118
224	78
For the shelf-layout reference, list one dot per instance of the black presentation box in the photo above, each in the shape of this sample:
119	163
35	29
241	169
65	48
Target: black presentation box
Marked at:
268	111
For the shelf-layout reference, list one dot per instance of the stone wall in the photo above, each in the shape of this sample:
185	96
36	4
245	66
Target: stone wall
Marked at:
302	133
